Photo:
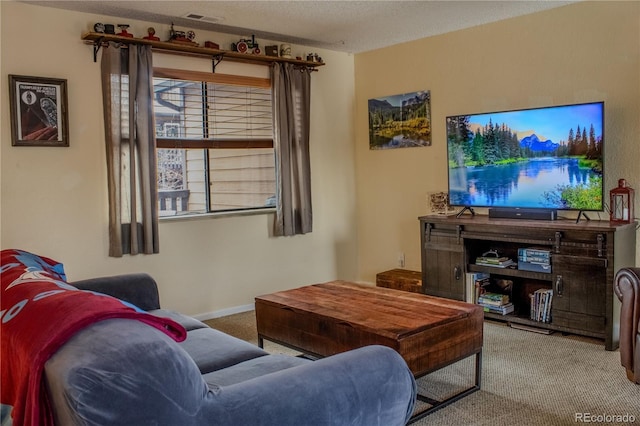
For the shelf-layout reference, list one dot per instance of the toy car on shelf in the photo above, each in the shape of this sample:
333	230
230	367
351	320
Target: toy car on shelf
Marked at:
245	45
182	36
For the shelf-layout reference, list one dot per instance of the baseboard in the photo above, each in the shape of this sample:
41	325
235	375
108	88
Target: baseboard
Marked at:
224	312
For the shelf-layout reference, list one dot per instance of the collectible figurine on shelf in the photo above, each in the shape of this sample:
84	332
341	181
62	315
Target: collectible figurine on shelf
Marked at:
271	50
123	30
245	45
151	31
285	51
313	57
101	28
182	37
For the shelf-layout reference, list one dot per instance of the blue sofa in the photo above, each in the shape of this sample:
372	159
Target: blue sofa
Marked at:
123	372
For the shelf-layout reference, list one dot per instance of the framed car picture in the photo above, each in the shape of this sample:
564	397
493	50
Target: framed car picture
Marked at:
39	114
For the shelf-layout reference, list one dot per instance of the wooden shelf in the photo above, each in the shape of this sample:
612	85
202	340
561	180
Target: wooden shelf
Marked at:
510	272
96	39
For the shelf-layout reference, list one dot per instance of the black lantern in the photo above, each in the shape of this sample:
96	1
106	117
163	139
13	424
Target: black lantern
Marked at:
621	203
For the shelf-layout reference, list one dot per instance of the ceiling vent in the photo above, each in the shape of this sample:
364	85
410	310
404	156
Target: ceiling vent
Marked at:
202	18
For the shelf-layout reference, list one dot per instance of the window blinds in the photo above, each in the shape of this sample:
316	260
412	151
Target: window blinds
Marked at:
203	110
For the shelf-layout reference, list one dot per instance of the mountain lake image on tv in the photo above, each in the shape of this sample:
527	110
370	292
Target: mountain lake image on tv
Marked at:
549	158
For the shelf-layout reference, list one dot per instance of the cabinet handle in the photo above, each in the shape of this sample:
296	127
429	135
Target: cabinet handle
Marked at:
559	285
456	273
600	240
557	244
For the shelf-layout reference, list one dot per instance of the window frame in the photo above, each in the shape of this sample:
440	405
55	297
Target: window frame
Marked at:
205	144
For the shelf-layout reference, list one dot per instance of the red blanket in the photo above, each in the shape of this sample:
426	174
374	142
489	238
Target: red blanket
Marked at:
39	313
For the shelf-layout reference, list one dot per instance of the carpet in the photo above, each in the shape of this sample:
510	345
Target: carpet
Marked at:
527	379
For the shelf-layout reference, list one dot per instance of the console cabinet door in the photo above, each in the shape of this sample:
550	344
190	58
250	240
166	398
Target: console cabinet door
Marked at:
579	299
443	266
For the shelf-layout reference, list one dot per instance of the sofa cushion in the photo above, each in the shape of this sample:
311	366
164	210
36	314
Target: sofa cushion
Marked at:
212	350
251	369
187	322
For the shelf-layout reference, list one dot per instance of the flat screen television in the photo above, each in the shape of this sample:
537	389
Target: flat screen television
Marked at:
539	158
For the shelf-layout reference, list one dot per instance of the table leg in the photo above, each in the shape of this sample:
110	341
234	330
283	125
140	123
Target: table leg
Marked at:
436	405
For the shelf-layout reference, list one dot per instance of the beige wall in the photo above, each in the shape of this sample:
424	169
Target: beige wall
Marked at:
578	53
54	201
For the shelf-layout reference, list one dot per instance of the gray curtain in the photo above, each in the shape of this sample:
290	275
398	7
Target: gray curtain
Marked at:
127	88
291	87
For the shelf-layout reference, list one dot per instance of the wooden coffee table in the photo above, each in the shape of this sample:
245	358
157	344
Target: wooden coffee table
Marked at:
324	319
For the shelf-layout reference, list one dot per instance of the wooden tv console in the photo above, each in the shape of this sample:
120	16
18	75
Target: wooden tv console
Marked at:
584	259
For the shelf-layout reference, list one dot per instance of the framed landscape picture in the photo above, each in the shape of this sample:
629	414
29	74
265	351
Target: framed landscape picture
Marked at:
400	121
38	111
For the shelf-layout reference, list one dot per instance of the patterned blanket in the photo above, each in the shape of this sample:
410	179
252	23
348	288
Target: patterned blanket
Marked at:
39	313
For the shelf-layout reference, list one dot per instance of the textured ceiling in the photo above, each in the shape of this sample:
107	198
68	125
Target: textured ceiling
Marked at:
346	26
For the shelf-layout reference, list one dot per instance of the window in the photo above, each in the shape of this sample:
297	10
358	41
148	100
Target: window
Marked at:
215	142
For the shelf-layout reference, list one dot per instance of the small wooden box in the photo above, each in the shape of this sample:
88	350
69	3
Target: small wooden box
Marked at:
400	279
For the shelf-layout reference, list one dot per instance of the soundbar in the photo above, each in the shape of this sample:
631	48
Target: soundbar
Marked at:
515	213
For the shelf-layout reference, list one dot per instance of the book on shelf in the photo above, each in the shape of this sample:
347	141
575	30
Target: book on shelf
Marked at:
541	300
496	262
502	310
534	260
492	259
494	299
470	285
480	287
534	254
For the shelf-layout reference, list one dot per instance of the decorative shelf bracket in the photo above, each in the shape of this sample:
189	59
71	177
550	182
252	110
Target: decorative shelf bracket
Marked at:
96	48
215	60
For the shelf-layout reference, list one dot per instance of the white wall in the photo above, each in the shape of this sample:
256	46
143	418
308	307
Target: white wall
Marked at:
54	200
587	51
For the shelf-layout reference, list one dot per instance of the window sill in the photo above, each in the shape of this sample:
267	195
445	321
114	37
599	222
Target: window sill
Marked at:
217	215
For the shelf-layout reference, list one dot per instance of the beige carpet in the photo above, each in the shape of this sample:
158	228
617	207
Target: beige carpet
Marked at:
527	379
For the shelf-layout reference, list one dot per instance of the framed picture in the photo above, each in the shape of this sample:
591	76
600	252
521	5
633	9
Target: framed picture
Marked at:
400	121
39	114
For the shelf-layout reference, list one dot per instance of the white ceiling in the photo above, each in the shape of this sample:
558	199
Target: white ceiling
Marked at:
346	26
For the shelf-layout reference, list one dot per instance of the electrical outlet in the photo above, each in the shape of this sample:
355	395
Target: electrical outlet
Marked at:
401	259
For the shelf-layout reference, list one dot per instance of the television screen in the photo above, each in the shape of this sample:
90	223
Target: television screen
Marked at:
548	158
